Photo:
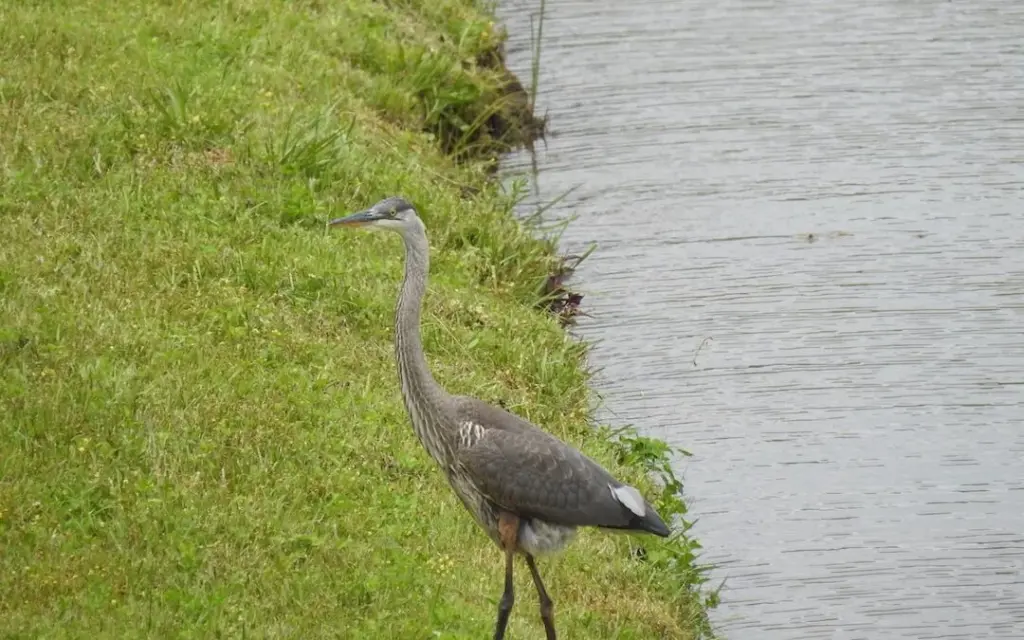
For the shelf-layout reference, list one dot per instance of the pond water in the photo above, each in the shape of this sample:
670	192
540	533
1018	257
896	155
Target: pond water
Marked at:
810	274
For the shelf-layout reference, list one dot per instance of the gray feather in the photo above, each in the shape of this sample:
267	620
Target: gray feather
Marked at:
523	469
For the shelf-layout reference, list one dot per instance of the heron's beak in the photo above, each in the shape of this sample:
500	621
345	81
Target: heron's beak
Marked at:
356	219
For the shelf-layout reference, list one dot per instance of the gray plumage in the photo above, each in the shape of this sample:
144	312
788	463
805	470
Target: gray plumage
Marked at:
527	471
528	490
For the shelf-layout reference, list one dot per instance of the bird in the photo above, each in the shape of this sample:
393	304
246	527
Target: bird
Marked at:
527	489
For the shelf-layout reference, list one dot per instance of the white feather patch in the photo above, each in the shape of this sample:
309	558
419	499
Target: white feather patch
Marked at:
469	433
629	498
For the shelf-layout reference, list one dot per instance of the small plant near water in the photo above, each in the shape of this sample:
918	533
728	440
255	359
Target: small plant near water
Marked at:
678	555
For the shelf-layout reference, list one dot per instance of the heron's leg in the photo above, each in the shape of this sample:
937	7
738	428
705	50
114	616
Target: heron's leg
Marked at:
508	530
508	598
547	613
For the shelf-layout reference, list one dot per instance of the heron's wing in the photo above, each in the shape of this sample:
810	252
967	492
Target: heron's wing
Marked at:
532	474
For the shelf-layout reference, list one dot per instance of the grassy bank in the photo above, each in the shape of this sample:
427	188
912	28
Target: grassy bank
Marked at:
200	427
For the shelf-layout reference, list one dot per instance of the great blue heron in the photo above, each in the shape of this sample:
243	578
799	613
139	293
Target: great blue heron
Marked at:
528	490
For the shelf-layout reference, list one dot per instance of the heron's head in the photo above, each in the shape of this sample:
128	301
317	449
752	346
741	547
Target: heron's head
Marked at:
394	213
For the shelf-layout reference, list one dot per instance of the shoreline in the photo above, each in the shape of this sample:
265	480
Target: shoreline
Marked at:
651	456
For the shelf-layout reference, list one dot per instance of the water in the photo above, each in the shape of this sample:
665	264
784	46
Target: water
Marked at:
832	193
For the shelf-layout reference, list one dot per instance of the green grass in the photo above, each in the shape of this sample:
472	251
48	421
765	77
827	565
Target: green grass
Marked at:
200	427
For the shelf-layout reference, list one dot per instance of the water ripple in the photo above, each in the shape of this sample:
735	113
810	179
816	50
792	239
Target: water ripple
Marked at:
832	192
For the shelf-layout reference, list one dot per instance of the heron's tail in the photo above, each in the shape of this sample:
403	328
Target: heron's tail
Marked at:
652	523
642	516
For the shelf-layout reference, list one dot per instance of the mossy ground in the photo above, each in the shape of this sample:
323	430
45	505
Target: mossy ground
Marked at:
200	427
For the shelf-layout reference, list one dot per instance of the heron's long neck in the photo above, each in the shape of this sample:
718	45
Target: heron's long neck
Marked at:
422	395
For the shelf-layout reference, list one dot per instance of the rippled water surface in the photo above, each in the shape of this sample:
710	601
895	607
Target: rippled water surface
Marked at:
831	192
